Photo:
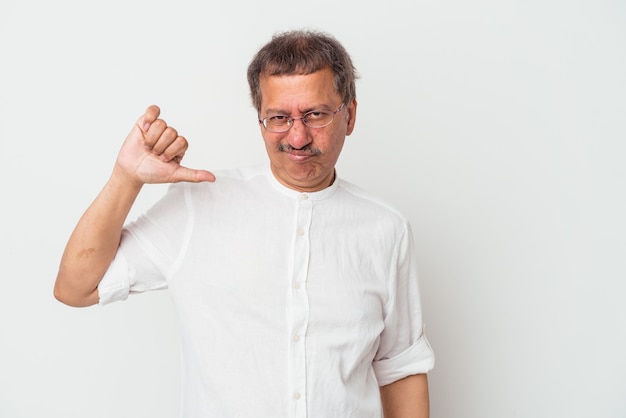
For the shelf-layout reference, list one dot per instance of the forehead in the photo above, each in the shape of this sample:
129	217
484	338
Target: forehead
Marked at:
298	91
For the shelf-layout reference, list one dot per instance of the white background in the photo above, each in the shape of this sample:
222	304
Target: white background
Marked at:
497	127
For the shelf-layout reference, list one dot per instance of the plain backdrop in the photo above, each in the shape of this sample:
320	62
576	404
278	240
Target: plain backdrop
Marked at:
497	127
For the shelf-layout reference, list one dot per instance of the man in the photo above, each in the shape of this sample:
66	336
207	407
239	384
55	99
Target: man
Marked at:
296	291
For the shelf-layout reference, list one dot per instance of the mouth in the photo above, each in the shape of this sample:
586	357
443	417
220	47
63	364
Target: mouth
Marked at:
298	158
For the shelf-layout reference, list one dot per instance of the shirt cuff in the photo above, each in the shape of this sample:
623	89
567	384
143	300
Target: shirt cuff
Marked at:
115	285
417	359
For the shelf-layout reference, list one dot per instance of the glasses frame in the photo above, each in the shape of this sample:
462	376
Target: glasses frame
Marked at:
291	120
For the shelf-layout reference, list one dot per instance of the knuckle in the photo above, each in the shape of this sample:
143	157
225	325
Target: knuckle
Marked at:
171	132
159	124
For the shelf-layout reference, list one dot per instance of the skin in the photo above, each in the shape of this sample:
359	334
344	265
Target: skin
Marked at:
304	158
151	153
406	398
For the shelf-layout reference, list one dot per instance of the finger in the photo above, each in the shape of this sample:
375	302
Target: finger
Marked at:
150	115
191	175
152	136
175	150
168	138
177	159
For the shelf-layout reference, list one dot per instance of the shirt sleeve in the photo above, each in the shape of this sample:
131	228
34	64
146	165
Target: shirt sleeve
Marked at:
404	349
148	248
123	278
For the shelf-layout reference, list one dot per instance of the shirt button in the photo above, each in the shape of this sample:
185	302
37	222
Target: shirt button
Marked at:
304	196
296	285
300	231
296	395
296	338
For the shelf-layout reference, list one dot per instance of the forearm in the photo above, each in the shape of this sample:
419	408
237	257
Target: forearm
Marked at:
406	398
94	242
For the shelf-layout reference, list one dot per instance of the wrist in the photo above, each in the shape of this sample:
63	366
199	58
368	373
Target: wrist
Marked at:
121	180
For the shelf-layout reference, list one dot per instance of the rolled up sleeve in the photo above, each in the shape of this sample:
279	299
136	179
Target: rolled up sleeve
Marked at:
124	277
418	358
404	349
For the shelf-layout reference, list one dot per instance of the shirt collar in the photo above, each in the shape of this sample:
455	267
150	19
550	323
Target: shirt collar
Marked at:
319	195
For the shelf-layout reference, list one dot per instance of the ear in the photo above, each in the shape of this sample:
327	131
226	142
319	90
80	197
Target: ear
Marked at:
351	116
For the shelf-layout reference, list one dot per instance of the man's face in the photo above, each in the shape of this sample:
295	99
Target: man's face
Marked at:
303	158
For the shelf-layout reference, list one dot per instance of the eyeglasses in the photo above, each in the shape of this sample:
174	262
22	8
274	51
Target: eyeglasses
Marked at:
313	119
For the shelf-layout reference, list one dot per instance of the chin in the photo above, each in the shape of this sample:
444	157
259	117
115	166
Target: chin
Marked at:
302	172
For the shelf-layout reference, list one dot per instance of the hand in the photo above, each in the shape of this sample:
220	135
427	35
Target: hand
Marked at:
152	153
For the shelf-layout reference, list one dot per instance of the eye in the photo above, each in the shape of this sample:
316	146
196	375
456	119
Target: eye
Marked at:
314	116
276	121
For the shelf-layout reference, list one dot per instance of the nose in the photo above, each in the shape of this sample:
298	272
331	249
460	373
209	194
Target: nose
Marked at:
298	135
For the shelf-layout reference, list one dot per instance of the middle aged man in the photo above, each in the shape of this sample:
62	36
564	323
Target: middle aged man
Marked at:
296	291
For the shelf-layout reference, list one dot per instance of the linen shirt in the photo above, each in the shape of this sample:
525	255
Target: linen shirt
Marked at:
289	304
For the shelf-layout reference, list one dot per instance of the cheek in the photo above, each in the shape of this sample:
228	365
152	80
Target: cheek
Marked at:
333	149
334	142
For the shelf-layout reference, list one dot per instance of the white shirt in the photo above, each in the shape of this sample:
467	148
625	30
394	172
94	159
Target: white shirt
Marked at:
290	304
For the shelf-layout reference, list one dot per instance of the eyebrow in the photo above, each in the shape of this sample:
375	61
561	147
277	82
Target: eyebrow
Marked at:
317	108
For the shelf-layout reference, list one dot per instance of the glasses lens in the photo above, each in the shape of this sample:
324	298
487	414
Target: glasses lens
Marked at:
276	123
317	119
281	123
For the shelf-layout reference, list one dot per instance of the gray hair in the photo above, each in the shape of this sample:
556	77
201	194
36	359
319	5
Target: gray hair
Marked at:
302	52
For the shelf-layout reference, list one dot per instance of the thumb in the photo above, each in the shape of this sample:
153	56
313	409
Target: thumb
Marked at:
190	175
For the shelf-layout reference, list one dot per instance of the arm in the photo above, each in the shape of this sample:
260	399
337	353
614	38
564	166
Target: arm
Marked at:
150	154
406	398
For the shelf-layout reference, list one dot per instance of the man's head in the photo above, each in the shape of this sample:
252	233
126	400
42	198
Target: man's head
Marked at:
302	52
302	84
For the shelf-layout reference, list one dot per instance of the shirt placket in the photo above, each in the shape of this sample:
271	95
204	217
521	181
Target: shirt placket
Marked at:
299	308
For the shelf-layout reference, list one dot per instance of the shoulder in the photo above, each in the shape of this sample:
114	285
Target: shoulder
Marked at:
370	201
